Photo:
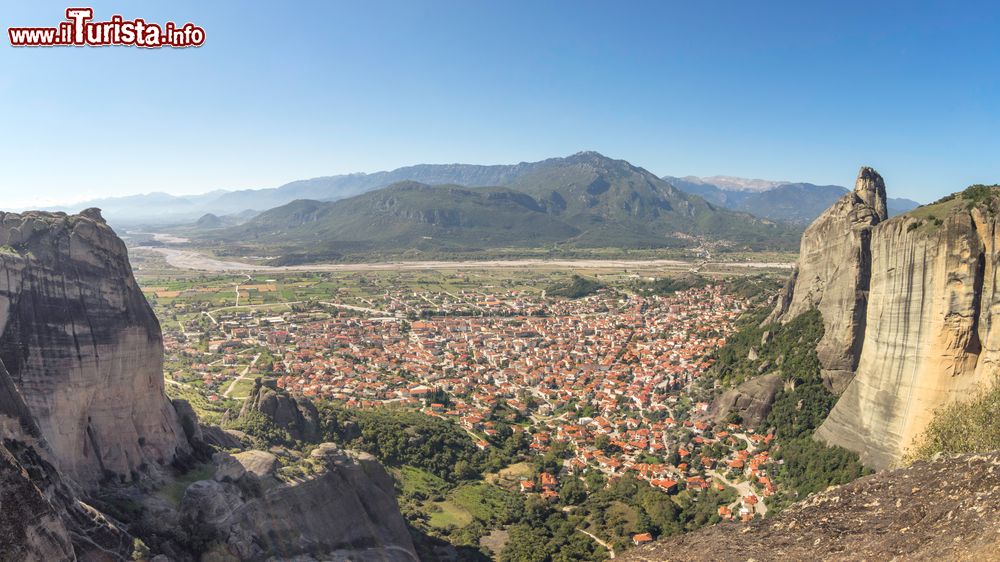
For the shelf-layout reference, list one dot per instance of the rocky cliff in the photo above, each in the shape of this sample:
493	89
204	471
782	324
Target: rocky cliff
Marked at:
85	424
833	275
907	304
41	517
941	510
83	347
752	400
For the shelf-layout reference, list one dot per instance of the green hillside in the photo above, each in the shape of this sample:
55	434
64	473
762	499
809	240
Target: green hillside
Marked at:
582	201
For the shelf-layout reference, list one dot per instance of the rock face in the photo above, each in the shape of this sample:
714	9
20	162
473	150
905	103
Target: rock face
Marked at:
752	400
929	338
295	415
83	347
41	517
941	510
907	306
345	508
833	275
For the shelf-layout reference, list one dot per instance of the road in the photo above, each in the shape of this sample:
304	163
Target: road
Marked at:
169	380
238	289
611	551
751	447
186	334
187	259
242	376
744	489
252	306
356	308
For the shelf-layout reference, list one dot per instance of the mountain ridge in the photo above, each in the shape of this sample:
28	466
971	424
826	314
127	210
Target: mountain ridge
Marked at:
795	202
584	200
159	208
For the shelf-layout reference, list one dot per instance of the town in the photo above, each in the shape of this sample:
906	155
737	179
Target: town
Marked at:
604	376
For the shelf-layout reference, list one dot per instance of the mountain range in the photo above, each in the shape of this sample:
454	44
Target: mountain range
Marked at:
584	200
795	202
776	200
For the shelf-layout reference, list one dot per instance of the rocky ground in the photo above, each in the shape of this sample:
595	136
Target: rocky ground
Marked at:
947	509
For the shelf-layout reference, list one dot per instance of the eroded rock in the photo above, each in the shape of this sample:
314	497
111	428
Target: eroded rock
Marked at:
833	273
84	348
752	400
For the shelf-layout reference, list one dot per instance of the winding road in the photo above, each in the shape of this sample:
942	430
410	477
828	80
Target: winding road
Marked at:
608	547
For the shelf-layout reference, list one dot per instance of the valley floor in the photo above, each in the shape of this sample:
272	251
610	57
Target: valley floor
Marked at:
192	260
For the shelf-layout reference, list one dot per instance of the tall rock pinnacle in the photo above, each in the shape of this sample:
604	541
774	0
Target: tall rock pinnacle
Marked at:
870	188
833	275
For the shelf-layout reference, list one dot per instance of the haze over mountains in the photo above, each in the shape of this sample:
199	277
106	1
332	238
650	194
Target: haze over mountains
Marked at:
584	200
777	200
794	202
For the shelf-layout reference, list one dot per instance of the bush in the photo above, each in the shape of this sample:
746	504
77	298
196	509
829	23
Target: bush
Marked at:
972	426
810	466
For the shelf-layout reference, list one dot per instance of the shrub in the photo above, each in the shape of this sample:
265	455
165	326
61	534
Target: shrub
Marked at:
972	426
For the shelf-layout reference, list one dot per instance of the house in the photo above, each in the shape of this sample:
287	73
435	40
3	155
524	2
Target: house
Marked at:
642	538
668	486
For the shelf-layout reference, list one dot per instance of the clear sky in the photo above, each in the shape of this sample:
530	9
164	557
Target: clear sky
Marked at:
804	91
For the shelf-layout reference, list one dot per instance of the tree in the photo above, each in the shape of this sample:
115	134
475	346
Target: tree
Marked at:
526	544
464	471
572	491
595	480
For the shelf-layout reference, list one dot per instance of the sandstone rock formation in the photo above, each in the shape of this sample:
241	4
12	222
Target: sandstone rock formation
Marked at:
259	517
941	510
83	347
833	275
907	305
297	416
752	400
930	337
41	517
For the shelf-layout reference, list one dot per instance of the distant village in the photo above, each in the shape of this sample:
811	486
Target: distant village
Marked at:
605	374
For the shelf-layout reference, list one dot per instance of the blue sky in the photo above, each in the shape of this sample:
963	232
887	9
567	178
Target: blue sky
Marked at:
804	91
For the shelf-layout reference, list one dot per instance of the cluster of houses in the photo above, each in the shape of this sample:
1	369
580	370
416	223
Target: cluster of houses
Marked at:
606	373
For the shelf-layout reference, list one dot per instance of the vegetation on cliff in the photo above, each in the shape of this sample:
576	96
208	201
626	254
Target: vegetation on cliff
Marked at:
970	426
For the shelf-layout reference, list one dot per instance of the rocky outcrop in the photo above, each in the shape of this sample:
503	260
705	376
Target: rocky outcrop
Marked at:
752	400
930	338
344	508
83	347
907	305
41	517
295	415
941	510
833	275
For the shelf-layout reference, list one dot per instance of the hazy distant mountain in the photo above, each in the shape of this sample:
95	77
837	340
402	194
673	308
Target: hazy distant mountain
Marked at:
210	221
798	203
584	200
749	195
